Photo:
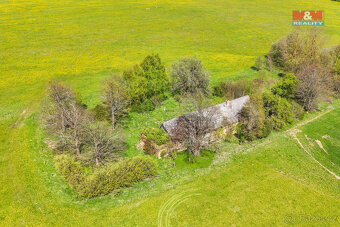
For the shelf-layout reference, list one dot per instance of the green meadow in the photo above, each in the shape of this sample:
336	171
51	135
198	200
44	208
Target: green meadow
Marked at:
272	181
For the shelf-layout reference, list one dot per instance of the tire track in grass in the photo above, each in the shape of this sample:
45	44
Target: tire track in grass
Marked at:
167	209
293	131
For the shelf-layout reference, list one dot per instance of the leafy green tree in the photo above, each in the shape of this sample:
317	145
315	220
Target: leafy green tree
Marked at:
147	80
297	49
116	97
277	109
154	71
252	120
190	77
286	87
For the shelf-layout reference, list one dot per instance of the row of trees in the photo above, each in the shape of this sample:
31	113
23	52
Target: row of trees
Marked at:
146	85
310	73
92	135
75	128
316	67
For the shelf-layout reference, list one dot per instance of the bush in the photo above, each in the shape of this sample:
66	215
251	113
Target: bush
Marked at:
252	121
108	179
146	80
278	110
156	135
123	174
143	107
298	110
261	63
298	48
71	170
189	77
233	89
101	113
286	87
337	85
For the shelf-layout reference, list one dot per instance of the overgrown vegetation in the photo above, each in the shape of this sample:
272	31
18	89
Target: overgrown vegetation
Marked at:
316	68
252	121
156	135
105	180
188	76
147	83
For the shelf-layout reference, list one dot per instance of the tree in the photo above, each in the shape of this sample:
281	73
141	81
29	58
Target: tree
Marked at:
286	87
61	97
103	142
153	70
116	97
297	49
190	77
314	81
277	109
193	128
252	120
74	135
65	116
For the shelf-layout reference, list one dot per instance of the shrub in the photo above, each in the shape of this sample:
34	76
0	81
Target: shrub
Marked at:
233	89
189	76
147	105
286	87
123	174
101	113
261	63
146	80
252	120
71	170
149	147
298	110
108	179
337	86
156	135
278	110
298	48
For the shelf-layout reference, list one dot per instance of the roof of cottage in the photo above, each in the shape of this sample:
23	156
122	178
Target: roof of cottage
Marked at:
227	110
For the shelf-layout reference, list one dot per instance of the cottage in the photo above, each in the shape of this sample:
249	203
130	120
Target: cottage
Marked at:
227	110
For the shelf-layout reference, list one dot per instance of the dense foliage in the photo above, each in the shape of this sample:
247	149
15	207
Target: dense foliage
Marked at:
188	76
156	135
145	81
297	49
105	180
278	110
252	120
286	87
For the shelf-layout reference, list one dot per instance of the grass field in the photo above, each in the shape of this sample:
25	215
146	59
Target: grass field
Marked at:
267	182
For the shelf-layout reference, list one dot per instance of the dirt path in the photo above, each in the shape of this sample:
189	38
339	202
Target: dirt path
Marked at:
293	131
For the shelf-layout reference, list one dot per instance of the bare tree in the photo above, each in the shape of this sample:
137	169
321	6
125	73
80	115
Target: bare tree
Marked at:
193	128
61	97
116	97
314	81
65	116
74	135
103	142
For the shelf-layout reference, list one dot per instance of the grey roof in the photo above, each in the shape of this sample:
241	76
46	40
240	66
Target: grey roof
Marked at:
227	110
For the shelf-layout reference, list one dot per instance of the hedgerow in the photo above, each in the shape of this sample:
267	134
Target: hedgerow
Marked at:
105	180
